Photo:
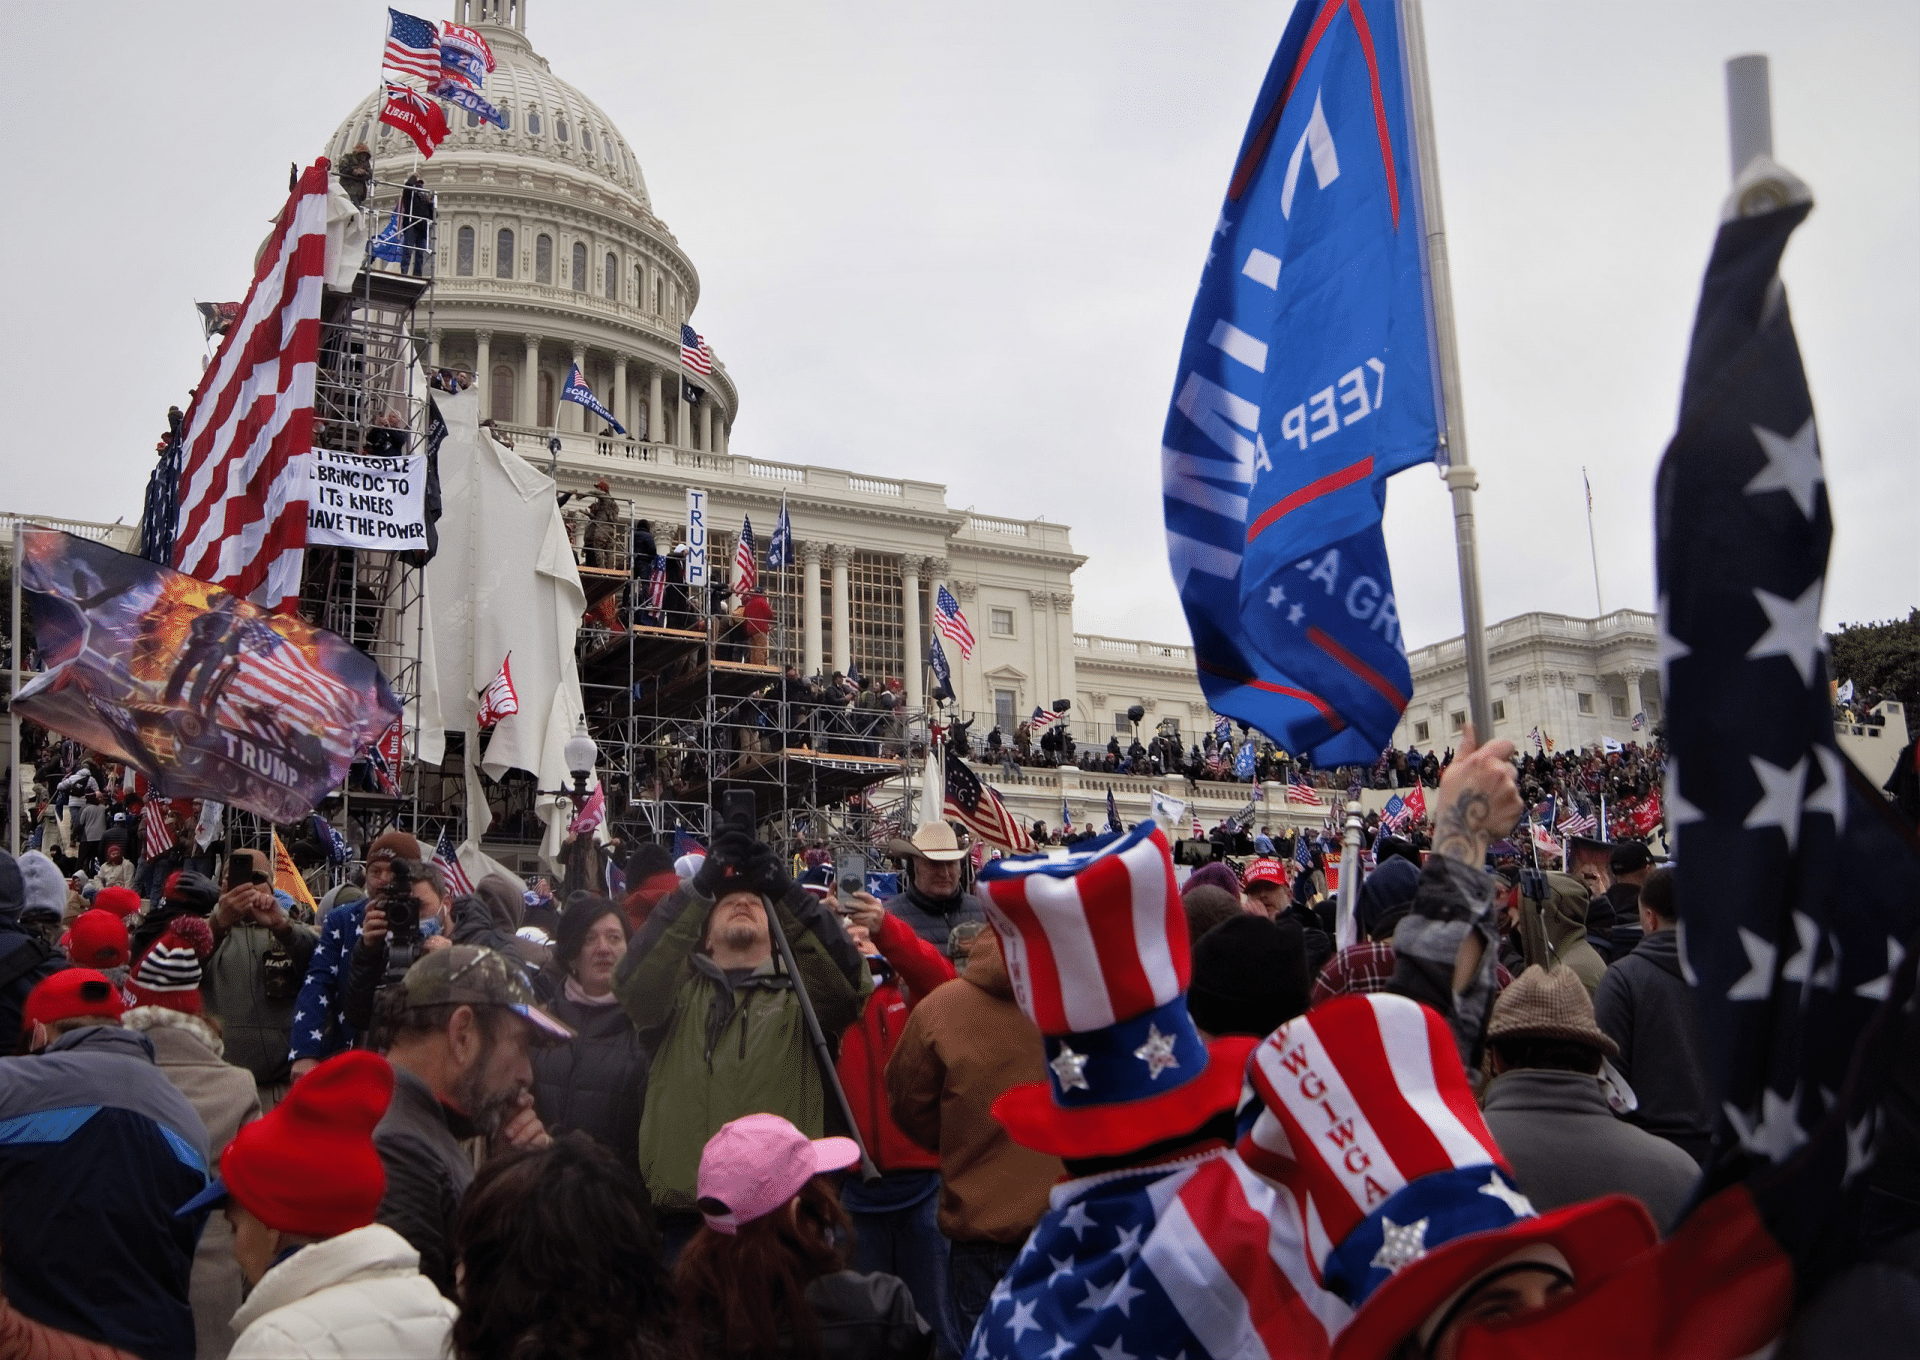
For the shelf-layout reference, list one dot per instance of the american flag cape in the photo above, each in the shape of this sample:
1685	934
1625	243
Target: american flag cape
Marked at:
951	623
657	588
980	810
444	855
245	467
1197	1257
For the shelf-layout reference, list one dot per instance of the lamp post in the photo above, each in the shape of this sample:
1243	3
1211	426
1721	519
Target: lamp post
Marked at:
581	753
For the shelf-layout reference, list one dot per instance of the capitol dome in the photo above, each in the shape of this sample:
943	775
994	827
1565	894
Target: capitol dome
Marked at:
548	253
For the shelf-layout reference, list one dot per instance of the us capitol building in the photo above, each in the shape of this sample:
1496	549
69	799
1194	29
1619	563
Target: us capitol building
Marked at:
549	253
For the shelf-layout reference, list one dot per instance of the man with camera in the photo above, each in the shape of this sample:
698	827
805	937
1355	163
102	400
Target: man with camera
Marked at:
260	955
407	919
320	1028
712	1000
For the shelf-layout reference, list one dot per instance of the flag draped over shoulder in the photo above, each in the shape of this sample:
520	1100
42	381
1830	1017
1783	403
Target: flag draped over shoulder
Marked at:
1306	379
245	467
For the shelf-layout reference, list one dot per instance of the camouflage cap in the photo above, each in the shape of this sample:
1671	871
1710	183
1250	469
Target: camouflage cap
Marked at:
469	975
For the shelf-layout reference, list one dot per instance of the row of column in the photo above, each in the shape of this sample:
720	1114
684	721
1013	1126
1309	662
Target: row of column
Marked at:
572	417
839	557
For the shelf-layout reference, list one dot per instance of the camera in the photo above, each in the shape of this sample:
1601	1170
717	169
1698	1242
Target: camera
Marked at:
403	912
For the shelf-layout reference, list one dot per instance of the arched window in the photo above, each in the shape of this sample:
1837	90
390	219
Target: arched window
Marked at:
579	267
473	119
506	119
503	254
463	257
586	139
546	398
543	258
533	122
657	283
560	127
361	136
639	285
385	128
613	278
500	395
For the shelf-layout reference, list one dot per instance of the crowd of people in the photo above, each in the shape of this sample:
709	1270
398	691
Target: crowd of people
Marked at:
751	1109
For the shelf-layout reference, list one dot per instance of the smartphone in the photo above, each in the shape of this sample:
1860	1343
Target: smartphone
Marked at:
853	872
739	810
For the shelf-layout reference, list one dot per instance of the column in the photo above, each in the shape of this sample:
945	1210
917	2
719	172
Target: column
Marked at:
720	432
433	350
839	556
620	410
576	413
656	414
910	628
1064	676
1041	603
706	424
1636	702
530	384
809	601
483	370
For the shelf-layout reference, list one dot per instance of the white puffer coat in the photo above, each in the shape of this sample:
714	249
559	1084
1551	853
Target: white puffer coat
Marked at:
358	1294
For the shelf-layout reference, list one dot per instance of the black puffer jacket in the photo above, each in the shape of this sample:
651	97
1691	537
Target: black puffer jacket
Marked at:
597	1082
861	1317
1645	1006
934	921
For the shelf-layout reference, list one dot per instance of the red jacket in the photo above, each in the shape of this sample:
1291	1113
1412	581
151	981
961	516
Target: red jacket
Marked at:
918	967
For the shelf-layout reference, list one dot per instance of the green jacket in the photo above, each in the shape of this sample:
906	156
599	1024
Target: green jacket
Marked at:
721	1051
234	984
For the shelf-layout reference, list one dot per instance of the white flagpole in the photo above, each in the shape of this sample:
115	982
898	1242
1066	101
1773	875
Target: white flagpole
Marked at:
13	713
1592	547
1459	471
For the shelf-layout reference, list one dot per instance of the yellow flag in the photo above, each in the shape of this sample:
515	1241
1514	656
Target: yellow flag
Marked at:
287	878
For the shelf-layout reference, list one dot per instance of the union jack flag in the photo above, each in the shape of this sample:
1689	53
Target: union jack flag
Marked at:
951	623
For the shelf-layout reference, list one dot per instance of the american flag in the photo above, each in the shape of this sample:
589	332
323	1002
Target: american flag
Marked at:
694	354
444	855
1300	791
952	623
499	699
413	47
746	560
1394	812
276	689
153	823
657	588
1302	850
1041	720
1578	824
245	470
980	810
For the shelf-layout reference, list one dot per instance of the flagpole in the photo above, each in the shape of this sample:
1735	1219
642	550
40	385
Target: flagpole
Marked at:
1458	473
13	712
1592	548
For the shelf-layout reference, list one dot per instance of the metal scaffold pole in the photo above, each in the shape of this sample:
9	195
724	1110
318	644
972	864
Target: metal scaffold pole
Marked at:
1459	474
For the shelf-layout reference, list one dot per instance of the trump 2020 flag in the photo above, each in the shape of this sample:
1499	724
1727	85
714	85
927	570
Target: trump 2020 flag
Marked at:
577	390
780	546
1306	379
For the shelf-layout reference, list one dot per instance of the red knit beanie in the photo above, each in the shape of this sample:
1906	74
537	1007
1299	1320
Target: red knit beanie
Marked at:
119	901
309	1166
98	940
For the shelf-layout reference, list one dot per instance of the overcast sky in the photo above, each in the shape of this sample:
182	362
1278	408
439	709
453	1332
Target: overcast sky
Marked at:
960	242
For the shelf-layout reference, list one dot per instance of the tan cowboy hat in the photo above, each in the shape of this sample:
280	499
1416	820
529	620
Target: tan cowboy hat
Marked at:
934	841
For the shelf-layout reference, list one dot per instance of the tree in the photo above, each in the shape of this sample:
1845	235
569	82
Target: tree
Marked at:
1881	656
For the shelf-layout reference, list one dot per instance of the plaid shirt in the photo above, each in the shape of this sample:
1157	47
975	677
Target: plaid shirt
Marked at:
1368	967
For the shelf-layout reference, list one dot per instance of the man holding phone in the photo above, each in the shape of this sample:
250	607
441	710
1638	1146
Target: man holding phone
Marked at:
260	955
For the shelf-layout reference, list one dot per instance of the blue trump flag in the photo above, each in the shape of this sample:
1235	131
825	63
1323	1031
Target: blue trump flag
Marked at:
1306	379
577	390
387	245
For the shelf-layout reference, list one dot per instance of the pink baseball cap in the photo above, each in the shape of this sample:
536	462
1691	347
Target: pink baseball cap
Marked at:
757	1163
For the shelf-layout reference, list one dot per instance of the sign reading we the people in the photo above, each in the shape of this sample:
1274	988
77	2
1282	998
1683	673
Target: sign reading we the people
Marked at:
364	500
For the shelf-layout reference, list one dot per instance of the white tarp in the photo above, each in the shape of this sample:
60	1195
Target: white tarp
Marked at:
504	581
346	238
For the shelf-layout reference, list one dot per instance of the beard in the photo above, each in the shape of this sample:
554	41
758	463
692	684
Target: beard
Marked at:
740	936
488	1110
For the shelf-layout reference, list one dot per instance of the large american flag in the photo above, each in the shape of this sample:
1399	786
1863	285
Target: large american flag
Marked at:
694	354
246	468
951	623
1300	791
444	855
746	565
413	47
980	810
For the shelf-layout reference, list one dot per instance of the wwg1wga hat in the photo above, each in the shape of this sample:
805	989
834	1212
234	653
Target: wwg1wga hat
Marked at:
1096	947
758	1162
308	1166
1368	1121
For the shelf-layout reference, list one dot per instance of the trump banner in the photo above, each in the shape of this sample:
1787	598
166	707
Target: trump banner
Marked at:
205	694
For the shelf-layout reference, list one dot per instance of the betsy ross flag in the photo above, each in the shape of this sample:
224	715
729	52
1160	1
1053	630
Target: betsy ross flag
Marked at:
980	810
1300	791
416	115
444	855
1306	379
245	469
578	392
499	699
780	546
951	622
746	561
413	48
694	354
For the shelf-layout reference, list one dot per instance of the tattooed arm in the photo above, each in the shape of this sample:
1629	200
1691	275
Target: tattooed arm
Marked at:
1479	800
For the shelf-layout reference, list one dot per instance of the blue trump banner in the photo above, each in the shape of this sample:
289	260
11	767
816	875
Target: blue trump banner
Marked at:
1306	379
577	390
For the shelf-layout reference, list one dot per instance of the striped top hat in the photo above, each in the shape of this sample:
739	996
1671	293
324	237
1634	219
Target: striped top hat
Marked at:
1367	1118
1096	948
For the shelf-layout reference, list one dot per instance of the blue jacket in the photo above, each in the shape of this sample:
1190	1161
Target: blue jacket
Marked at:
320	1027
97	1150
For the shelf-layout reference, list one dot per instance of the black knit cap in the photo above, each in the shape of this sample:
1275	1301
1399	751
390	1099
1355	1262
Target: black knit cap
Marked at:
1249	976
